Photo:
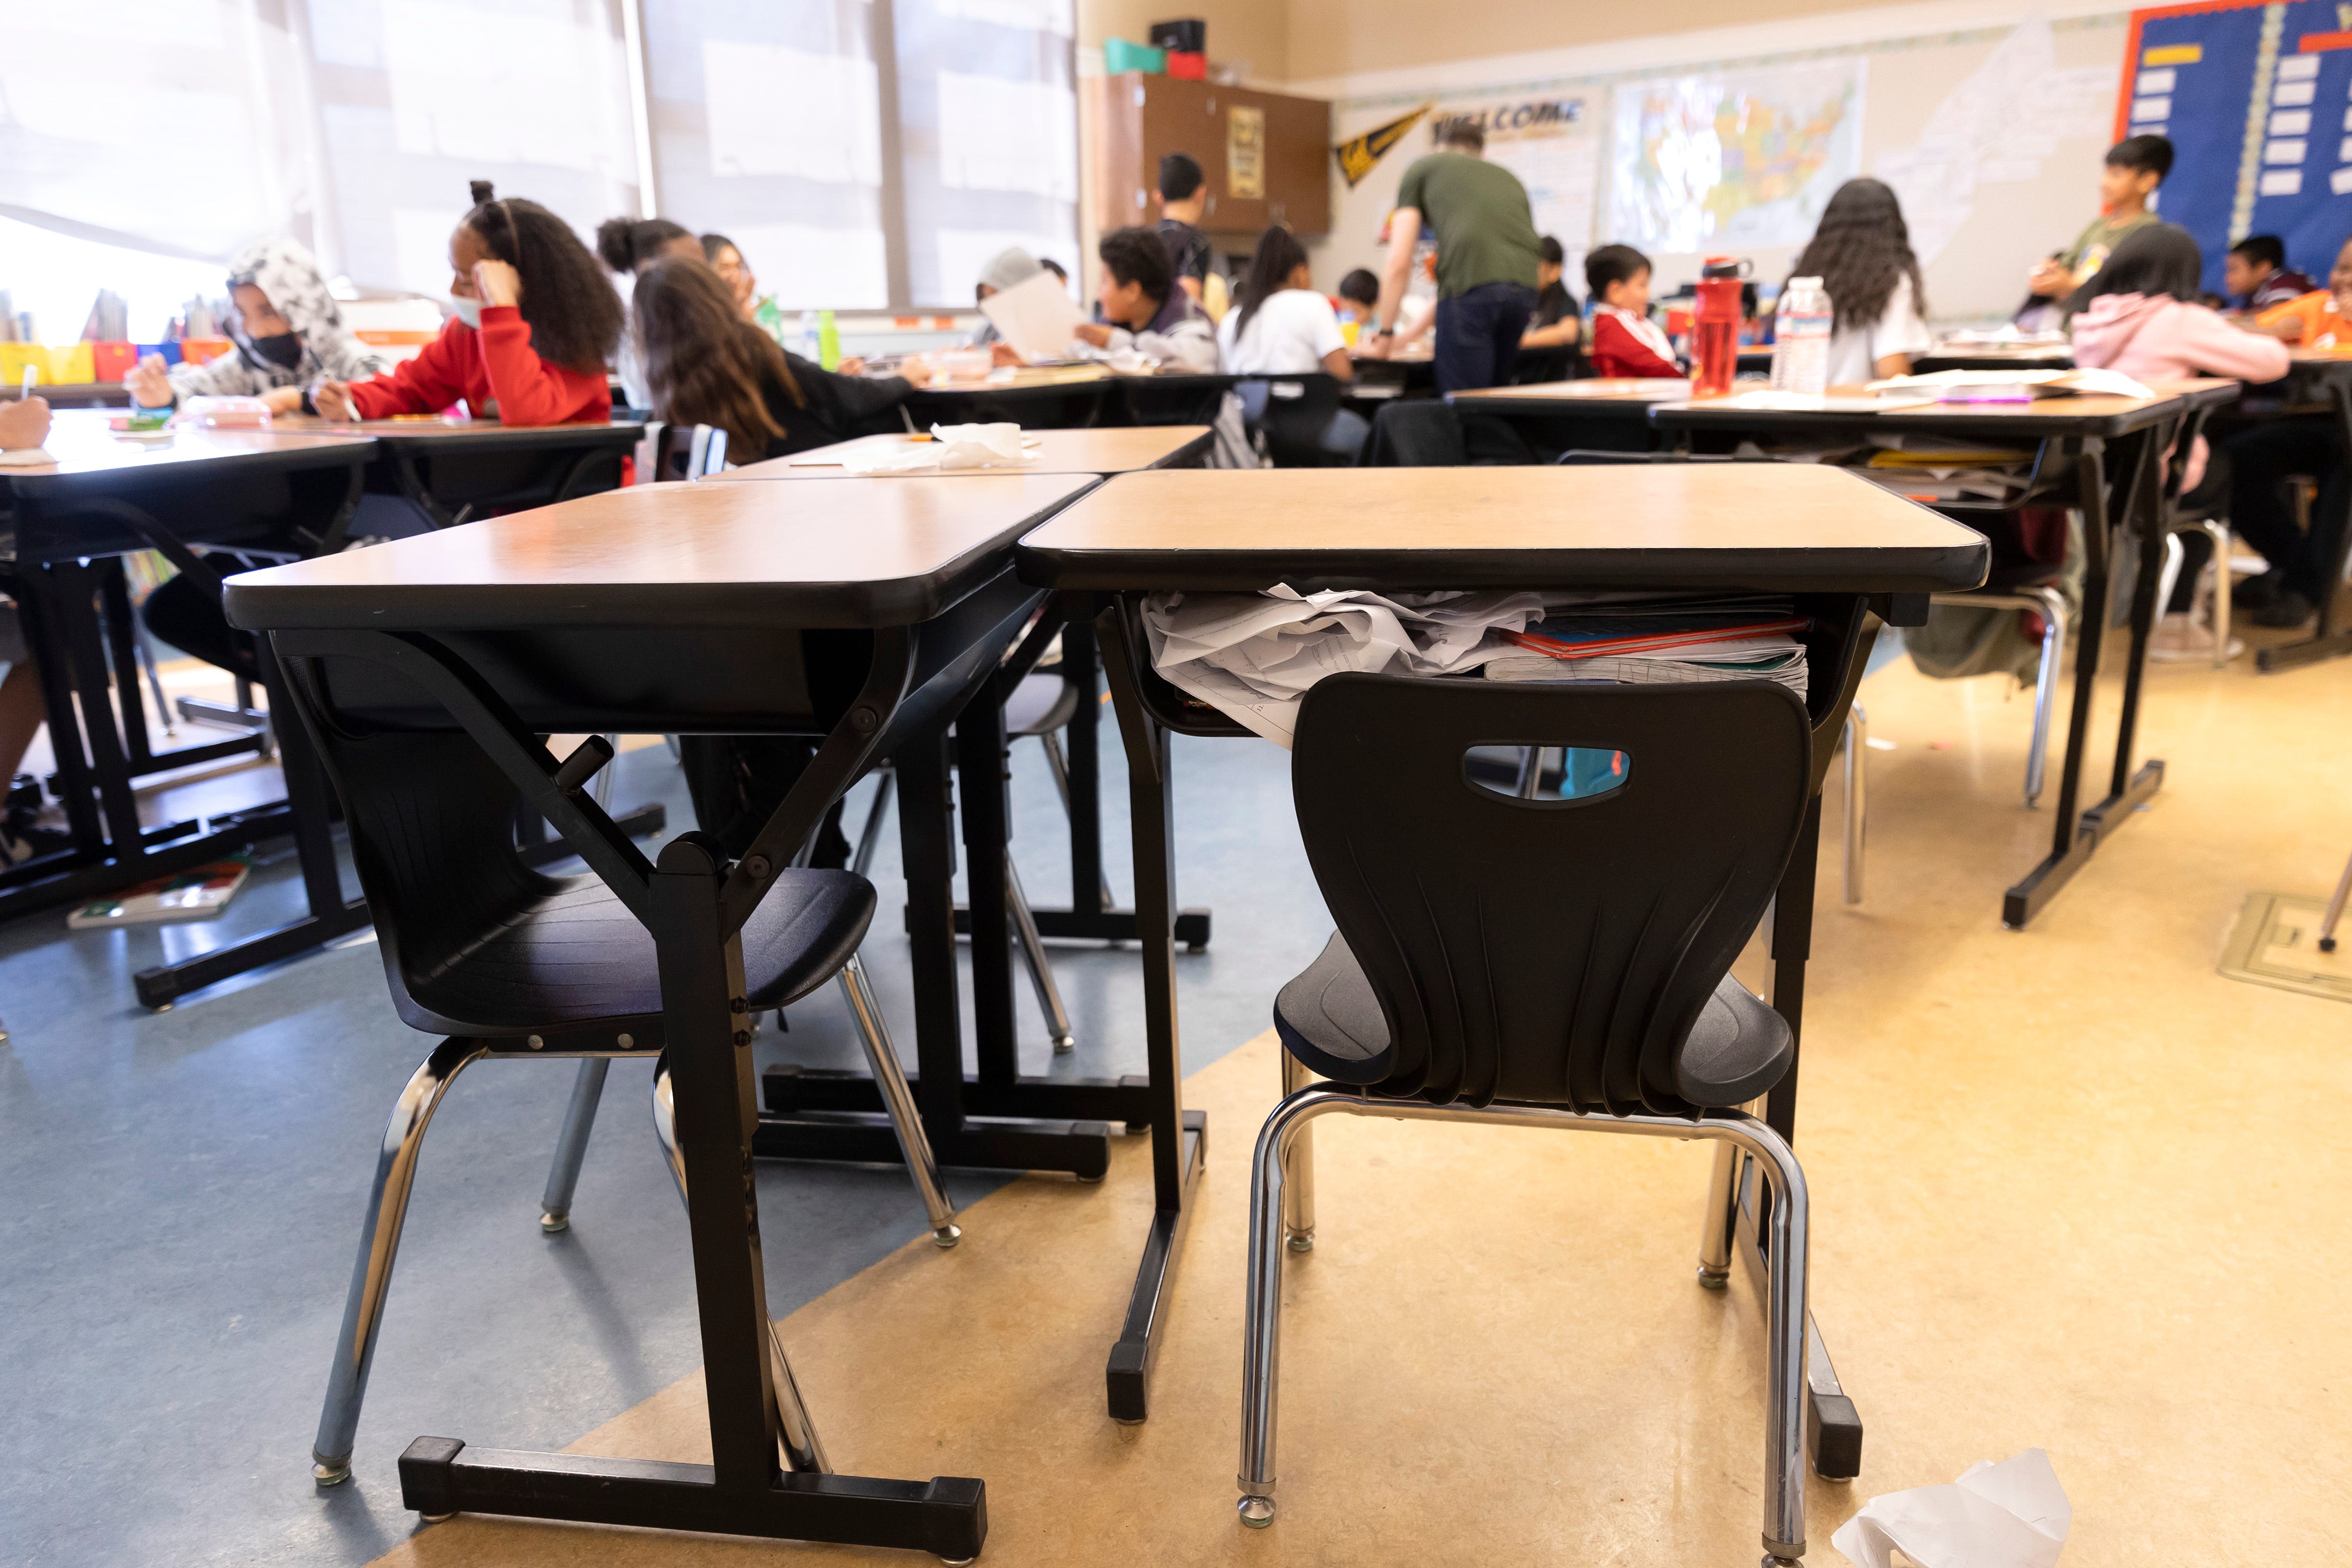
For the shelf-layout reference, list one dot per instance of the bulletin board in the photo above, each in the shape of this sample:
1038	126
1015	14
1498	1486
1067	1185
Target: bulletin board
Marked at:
2257	99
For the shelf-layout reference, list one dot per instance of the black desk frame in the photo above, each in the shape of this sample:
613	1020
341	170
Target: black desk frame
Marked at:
695	902
1151	710
2123	490
403	465
2333	637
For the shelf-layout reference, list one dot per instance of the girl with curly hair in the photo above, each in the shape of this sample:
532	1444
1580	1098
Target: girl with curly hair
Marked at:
535	322
1862	253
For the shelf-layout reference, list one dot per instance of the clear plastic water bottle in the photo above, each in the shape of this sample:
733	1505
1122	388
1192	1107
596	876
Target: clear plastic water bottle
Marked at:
1801	333
806	345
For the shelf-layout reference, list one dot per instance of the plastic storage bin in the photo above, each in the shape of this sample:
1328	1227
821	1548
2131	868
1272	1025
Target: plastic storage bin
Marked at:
1118	55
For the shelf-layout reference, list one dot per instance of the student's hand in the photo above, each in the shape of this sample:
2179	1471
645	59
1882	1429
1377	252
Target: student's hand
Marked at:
496	283
915	372
2286	331
1094	332
1371	345
24	424
855	365
2049	279
1003	353
333	399
149	386
283	399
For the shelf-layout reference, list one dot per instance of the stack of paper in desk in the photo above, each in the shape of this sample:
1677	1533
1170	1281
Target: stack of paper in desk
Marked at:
1662	641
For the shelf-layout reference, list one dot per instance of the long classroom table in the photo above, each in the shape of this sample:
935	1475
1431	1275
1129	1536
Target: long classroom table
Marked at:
868	612
2073	434
1843	548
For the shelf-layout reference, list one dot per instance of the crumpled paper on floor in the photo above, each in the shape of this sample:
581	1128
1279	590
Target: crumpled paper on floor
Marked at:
2013	1514
1253	656
950	446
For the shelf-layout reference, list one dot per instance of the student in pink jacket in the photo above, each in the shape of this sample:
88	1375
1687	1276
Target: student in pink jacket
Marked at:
2139	315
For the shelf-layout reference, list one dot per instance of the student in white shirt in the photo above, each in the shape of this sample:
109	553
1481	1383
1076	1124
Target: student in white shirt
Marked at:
1862	253
1283	326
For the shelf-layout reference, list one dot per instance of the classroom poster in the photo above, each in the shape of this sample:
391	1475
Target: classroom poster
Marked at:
1735	159
1553	144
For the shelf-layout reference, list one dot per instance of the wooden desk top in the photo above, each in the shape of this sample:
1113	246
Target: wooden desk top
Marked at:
487	432
2084	415
1782	527
85	445
675	555
1570	396
1110	450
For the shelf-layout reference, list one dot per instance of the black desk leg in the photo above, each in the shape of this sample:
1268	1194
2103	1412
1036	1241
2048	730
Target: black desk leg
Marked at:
754	1404
1833	1424
310	809
987	824
1179	1138
2127	788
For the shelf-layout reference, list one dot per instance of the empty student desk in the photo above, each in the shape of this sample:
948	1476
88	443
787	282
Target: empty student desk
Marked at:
1102	450
1066	397
1608	414
452	469
2072	467
1842	547
107	496
866	613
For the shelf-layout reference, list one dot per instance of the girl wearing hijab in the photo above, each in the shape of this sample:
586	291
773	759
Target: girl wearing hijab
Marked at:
1862	253
288	331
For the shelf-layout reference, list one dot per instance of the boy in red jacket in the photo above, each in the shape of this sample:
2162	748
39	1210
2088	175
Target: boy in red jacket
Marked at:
536	320
1626	341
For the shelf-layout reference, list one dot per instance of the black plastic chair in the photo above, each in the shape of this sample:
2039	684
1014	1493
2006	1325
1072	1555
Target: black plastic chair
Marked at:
1539	963
510	963
1294	414
1431	433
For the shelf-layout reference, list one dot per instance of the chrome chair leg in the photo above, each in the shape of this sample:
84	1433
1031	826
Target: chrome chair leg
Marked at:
1714	1236
2174	553
572	1144
1857	797
884	780
1298	1167
2326	923
2219	532
890	1078
602	789
797	1446
1784	1419
2052	609
1059	765
395	1175
1041	973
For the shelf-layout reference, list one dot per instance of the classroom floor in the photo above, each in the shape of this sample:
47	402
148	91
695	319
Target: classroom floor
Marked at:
2056	1204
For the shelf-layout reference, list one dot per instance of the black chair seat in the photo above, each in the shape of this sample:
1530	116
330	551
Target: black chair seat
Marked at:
1329	1017
576	957
1039	705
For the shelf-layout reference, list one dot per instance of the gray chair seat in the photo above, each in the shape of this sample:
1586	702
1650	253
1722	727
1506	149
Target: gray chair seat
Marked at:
1329	1017
1039	705
576	957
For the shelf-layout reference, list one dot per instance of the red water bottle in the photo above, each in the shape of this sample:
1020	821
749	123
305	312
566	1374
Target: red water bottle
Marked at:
1716	326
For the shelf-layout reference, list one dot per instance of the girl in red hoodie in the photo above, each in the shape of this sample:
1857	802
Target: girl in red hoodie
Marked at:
536	320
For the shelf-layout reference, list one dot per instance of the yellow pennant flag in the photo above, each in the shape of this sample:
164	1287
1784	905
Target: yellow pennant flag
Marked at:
1358	154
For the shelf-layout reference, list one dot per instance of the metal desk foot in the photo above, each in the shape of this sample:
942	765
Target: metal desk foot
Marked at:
1101	925
2098	823
1128	1375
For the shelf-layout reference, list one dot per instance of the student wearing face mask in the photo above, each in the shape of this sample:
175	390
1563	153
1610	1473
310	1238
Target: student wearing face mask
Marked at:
288	331
535	320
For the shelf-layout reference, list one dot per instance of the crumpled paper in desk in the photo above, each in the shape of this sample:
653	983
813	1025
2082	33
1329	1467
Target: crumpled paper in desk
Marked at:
1253	656
2013	1514
950	446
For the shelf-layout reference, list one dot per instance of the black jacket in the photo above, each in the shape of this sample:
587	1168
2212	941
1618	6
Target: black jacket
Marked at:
839	406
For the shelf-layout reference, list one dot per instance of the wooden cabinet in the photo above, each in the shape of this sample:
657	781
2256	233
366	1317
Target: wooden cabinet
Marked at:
1267	157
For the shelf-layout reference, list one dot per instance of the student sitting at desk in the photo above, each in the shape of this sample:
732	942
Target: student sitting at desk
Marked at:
1626	341
1862	253
628	246
2316	320
1281	326
2254	274
535	319
2135	167
705	365
1138	307
727	260
1558	317
288	331
1007	268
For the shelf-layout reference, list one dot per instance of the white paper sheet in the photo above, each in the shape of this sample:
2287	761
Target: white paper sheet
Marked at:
1253	656
2013	1514
950	446
1037	316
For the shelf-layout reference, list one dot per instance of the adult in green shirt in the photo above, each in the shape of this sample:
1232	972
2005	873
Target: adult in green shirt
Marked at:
1486	254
